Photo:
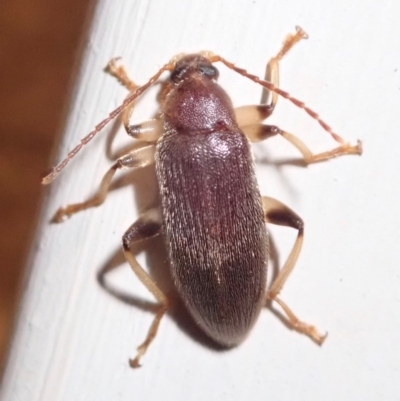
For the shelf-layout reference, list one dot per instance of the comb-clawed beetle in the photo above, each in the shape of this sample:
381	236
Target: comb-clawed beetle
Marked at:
212	215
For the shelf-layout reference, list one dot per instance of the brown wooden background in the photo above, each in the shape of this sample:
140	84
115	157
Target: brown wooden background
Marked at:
39	45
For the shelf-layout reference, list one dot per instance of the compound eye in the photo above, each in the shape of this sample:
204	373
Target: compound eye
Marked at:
208	70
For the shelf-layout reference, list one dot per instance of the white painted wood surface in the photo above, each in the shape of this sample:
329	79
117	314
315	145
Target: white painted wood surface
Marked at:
73	338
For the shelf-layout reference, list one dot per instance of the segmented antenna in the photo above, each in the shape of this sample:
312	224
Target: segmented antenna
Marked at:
136	93
168	67
281	92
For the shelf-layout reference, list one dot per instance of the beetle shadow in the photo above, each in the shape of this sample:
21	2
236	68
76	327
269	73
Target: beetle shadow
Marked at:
290	161
267	160
158	269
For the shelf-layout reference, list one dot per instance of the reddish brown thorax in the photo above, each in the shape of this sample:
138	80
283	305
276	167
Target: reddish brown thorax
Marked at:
195	103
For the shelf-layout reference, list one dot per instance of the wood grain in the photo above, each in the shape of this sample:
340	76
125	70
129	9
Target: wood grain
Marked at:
38	46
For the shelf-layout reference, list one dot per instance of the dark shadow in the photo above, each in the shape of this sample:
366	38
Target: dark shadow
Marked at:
297	162
273	259
292	190
158	268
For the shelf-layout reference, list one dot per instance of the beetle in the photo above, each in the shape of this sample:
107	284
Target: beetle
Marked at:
212	215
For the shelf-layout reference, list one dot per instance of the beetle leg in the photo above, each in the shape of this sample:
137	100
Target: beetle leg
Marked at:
259	132
148	131
116	68
136	159
309	157
252	115
272	69
148	225
277	213
247	115
271	84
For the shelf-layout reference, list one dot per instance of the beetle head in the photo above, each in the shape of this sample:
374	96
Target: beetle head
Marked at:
193	64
